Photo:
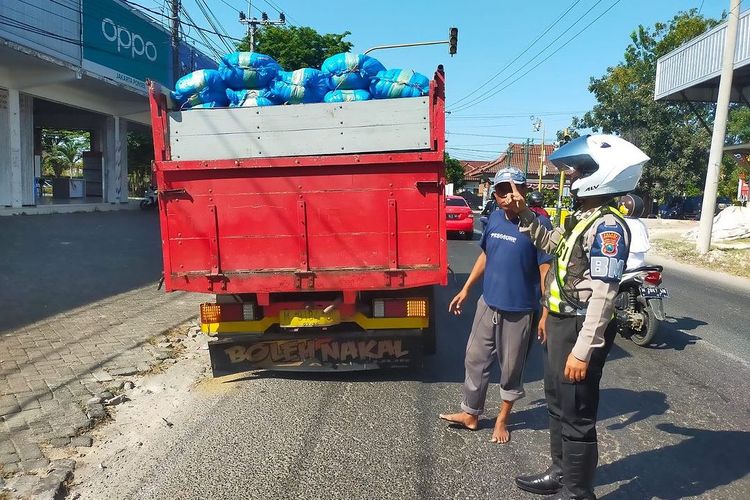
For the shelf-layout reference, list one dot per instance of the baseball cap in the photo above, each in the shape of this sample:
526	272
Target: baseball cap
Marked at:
509	174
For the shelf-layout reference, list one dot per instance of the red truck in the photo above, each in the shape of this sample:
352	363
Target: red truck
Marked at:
319	228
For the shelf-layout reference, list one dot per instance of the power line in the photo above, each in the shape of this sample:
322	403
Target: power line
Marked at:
487	135
562	46
539	37
214	23
515	115
217	51
191	24
279	10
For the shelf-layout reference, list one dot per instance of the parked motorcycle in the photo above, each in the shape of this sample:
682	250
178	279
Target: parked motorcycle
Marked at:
639	306
150	198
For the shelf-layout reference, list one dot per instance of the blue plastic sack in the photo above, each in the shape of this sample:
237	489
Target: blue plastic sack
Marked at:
348	71
347	95
203	80
206	96
399	83
248	70
305	85
249	98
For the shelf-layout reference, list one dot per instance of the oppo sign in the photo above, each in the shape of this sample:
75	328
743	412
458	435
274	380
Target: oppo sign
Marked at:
127	41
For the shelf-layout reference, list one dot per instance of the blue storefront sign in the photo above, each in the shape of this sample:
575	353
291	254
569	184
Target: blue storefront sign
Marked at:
124	46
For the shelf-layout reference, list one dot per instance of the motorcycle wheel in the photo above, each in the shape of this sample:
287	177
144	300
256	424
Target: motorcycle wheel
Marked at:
144	204
645	336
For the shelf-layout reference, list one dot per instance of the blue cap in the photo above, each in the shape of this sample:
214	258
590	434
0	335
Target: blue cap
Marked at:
509	174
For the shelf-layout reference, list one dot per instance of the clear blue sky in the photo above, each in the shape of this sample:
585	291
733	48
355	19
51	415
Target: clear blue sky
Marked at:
491	34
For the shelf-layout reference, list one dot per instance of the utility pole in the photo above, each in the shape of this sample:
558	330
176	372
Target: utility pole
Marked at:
719	133
526	150
175	40
253	23
538	124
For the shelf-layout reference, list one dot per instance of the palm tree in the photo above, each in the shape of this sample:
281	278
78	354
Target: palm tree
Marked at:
64	153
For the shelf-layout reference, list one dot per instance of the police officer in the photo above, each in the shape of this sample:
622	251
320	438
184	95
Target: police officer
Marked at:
590	255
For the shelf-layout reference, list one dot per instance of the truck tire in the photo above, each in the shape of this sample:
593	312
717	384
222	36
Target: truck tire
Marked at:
429	334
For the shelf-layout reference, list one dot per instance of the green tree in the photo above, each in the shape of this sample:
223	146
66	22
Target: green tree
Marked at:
670	133
297	47
454	172
63	151
140	155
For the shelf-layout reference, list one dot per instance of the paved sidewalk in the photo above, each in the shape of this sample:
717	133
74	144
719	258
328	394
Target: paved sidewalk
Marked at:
82	316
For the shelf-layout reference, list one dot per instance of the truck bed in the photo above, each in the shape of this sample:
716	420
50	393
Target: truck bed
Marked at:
318	197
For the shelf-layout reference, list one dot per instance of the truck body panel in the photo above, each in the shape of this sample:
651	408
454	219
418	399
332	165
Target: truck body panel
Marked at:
320	228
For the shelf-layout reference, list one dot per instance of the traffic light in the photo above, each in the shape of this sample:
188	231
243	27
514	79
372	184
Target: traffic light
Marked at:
453	40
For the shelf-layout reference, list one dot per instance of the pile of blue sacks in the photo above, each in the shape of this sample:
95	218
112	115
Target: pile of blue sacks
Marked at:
250	79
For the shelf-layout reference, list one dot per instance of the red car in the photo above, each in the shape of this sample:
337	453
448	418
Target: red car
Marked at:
459	217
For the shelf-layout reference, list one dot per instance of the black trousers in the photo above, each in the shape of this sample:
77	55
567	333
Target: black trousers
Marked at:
572	406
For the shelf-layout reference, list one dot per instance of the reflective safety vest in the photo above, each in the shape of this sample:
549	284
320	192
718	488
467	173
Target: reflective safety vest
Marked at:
559	301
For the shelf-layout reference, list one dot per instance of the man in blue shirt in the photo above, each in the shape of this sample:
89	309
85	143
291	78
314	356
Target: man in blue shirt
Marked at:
513	270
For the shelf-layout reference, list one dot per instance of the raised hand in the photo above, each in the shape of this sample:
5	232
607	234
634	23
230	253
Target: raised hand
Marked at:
517	199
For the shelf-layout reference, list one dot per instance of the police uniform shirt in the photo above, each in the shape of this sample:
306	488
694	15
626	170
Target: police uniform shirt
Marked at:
600	255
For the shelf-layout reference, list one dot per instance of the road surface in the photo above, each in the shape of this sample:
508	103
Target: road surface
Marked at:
673	422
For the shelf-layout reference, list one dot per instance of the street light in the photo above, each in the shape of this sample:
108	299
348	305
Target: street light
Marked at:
538	125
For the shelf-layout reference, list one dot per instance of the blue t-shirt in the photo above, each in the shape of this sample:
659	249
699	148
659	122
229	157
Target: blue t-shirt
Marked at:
511	277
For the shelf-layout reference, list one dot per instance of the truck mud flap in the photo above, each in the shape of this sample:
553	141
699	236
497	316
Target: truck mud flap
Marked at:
327	353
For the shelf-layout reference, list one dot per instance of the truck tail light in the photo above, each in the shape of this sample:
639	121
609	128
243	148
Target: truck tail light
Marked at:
216	313
399	308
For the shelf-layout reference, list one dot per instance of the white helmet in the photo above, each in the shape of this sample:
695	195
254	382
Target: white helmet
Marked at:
609	165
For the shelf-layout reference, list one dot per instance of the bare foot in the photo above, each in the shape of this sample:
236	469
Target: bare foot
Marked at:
466	420
500	434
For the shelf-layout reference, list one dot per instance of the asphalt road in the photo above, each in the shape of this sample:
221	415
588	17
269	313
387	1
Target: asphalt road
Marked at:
673	422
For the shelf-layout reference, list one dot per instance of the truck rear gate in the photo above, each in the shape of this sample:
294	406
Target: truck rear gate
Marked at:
333	199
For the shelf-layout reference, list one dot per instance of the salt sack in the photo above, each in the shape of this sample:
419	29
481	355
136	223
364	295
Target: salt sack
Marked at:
399	83
249	98
347	95
206	98
248	70
304	85
207	82
347	71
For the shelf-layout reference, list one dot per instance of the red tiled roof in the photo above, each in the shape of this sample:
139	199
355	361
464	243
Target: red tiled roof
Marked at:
516	157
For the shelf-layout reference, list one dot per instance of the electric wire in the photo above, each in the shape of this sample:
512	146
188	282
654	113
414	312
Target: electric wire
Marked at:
482	99
213	48
214	23
536	40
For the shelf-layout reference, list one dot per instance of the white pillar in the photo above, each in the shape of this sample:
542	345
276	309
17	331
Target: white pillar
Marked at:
109	155
14	147
27	150
123	162
719	132
4	150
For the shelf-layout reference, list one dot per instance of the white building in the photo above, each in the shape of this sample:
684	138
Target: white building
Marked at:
76	64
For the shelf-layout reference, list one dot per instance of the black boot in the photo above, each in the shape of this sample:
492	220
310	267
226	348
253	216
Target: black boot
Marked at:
579	468
548	482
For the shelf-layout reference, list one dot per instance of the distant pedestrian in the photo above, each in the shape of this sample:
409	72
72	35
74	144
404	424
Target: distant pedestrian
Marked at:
512	271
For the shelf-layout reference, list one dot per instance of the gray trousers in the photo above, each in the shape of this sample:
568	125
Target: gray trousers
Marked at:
504	335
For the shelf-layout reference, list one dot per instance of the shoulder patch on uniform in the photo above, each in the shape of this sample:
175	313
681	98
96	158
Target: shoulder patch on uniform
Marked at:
609	252
609	241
